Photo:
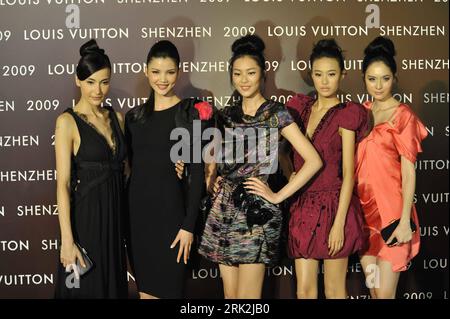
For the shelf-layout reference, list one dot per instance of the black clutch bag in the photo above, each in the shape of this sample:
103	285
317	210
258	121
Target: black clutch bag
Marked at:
87	261
387	231
256	213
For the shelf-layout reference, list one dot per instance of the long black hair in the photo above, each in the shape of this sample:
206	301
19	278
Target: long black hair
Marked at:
380	49
92	60
161	49
327	48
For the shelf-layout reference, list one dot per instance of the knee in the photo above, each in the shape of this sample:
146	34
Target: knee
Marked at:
384	294
306	292
248	292
230	294
333	291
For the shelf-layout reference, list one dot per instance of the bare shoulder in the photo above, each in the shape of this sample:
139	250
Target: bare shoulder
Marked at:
65	121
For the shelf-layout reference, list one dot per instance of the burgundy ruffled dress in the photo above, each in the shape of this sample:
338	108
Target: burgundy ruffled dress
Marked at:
314	209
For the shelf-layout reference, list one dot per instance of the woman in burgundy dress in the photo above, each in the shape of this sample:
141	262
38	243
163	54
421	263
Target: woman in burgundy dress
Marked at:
326	218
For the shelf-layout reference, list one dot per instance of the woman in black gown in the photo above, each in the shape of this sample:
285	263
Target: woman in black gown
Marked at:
162	216
90	150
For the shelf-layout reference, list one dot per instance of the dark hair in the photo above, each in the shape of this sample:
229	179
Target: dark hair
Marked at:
327	48
380	49
161	49
252	46
92	60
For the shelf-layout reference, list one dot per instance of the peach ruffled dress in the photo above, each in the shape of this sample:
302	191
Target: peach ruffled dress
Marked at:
378	172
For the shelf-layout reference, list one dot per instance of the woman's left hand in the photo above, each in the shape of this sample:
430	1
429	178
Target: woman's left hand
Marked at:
185	238
336	239
257	187
403	233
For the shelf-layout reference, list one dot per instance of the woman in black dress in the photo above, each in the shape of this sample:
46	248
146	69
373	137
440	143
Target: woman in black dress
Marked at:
162	217
90	150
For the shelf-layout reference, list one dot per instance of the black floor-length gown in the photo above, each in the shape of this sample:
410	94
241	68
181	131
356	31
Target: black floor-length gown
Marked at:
157	204
97	211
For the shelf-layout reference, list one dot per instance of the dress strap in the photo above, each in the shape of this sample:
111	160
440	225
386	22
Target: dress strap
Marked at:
75	117
117	131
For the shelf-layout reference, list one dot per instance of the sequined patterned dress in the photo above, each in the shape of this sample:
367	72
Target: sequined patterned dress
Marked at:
227	238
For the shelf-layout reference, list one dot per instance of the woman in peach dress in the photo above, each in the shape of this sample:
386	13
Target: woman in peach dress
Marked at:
386	175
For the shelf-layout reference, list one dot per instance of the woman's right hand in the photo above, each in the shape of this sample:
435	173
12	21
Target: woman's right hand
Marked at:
216	185
69	255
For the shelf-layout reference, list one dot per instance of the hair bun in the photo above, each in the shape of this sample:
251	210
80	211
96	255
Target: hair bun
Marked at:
381	46
248	43
91	47
327	45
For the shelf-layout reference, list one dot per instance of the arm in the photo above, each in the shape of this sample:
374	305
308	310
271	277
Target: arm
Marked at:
63	150
336	237
408	188
312	164
211	177
197	177
185	235
307	151
403	231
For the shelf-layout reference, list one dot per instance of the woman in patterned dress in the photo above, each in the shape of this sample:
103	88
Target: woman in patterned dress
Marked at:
243	227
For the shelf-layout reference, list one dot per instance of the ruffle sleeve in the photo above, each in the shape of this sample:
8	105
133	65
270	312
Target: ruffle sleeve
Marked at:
408	132
297	104
354	117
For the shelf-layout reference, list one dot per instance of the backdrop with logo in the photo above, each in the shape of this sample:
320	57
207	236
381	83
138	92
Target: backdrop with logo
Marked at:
39	43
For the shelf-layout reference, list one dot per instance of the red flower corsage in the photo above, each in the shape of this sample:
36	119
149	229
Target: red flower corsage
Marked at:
205	110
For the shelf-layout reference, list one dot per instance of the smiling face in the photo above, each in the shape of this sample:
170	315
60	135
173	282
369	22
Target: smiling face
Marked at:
95	88
246	76
379	81
162	74
326	75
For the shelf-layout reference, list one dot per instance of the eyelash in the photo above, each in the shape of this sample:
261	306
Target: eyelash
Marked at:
320	74
156	72
250	73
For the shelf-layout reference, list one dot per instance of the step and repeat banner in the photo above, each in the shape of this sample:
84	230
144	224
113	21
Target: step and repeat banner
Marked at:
39	43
